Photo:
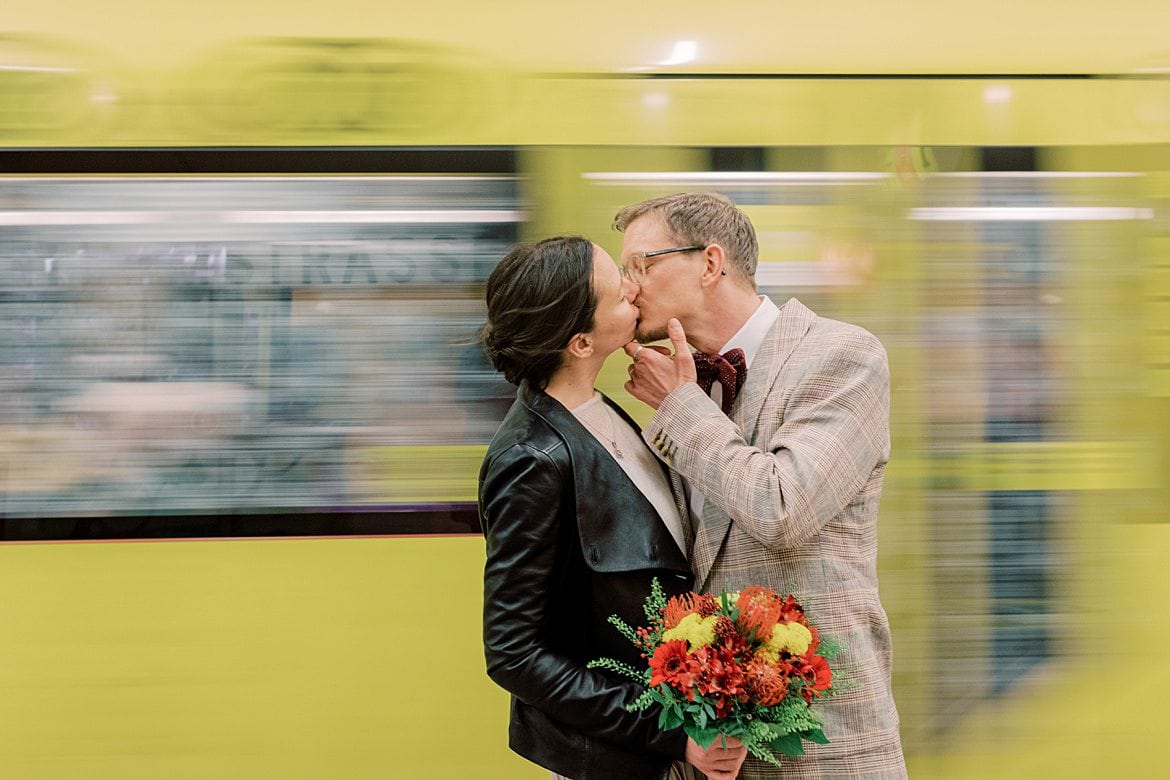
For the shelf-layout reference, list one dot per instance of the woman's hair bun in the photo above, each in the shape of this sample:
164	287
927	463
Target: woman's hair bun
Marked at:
538	297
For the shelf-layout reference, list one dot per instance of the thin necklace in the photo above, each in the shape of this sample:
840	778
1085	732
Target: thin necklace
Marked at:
612	439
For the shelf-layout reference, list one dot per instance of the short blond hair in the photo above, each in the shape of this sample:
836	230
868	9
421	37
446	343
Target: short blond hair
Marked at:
702	218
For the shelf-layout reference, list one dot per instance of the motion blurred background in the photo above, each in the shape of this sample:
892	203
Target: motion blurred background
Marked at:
242	250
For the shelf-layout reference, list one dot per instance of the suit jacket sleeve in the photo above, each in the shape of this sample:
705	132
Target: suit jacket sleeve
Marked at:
832	431
521	494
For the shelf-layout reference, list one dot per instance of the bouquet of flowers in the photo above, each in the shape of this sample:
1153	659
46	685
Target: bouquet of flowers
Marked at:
747	665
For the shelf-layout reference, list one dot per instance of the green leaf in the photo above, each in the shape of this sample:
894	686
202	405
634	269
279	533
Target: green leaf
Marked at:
703	737
817	736
786	745
670	719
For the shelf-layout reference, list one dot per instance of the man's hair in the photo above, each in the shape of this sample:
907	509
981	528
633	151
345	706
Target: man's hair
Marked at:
702	218
538	297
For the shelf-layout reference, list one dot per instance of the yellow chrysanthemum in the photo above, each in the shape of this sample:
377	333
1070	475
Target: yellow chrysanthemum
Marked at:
792	637
698	631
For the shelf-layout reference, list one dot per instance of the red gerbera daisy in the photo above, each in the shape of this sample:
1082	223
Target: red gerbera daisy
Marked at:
670	664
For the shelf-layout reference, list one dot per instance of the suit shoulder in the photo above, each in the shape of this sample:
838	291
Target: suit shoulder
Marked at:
836	335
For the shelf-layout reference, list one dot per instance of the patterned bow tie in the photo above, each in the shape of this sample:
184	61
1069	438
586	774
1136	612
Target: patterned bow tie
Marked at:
728	369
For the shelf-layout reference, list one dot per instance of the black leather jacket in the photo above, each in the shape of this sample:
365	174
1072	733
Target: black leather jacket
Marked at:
570	541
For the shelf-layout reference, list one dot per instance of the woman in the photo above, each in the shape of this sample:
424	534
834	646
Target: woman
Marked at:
579	517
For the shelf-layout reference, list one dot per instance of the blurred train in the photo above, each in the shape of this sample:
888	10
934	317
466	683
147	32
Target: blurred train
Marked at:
241	404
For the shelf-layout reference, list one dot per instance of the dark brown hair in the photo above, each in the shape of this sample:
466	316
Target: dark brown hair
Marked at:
538	297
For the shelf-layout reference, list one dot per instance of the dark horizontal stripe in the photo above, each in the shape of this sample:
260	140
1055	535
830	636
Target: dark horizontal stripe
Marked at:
413	520
247	160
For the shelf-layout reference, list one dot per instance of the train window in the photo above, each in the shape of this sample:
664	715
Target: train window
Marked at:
247	354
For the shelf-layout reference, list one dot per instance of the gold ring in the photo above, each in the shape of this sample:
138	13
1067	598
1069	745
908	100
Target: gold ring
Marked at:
638	351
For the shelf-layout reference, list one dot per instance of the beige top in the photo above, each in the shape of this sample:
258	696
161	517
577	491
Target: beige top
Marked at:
636	459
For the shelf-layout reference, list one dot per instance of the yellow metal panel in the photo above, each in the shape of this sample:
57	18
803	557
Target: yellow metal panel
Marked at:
342	658
855	36
368	90
1060	722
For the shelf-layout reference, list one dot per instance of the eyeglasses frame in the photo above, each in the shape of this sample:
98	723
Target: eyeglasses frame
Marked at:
641	274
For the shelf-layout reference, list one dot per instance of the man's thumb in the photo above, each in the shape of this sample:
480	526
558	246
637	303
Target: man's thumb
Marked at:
682	353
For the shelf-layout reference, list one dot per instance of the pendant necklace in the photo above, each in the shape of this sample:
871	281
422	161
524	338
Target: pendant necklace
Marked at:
612	439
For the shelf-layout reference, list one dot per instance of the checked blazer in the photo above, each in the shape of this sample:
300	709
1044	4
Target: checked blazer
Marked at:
791	484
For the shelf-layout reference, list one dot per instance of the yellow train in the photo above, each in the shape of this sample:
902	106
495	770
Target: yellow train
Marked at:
242	250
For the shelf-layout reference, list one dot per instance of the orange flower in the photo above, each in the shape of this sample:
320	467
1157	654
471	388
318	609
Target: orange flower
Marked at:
759	610
766	683
671	665
727	634
792	612
818	677
680	606
720	677
813	644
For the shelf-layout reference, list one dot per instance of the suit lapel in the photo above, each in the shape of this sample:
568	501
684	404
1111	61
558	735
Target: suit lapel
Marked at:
709	536
785	334
794	321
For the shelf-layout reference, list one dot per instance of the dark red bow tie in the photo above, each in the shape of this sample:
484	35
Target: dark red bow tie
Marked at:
728	369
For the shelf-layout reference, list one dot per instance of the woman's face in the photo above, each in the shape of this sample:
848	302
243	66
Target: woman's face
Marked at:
616	316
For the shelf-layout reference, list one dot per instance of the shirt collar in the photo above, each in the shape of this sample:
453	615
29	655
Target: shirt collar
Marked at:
751	336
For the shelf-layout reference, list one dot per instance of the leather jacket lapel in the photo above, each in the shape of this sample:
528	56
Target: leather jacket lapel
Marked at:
620	529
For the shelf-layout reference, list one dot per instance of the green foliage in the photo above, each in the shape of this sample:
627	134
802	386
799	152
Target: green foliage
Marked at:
829	648
786	745
704	736
618	667
624	628
644	700
653	607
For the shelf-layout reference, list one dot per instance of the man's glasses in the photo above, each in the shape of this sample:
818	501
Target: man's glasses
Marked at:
635	268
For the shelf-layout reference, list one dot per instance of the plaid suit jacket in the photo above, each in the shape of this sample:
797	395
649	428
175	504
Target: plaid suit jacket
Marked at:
791	485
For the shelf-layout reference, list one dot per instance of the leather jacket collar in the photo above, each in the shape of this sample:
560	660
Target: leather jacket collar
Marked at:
620	529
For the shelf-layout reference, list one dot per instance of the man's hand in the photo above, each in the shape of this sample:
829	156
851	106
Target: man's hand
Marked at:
717	762
655	373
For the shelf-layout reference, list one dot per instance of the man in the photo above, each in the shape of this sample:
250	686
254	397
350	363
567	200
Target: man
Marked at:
784	467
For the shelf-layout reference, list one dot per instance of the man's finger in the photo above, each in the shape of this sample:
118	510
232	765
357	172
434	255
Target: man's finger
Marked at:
682	353
632	348
678	338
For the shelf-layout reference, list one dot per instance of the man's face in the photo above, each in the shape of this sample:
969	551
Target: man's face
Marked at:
670	286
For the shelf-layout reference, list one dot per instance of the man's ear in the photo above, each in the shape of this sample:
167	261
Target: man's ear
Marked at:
714	264
581	345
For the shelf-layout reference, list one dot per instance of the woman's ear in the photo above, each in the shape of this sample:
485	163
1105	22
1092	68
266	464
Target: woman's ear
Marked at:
581	345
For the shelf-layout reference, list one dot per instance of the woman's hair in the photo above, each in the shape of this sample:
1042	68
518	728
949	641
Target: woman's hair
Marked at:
538	297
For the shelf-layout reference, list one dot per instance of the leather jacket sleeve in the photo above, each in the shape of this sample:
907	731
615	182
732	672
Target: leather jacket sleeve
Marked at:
521	494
